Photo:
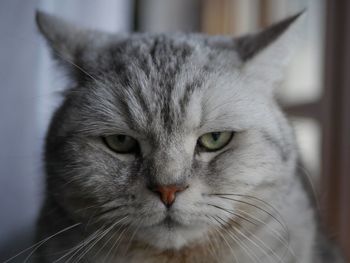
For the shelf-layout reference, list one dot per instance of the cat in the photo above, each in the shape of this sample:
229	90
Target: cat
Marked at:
173	148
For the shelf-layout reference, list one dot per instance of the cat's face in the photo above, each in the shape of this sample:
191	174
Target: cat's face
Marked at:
190	118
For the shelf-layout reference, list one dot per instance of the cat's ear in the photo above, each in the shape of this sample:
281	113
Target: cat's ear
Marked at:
266	53
71	46
64	38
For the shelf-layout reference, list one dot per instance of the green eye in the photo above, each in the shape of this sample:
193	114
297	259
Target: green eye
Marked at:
121	143
215	140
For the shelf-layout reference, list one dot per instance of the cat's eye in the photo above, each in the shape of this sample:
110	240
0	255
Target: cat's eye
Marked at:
215	141
121	143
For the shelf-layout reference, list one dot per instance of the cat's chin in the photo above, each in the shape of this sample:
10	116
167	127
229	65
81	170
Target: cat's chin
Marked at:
171	235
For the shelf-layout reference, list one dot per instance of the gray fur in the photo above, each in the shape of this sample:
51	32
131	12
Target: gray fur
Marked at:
166	91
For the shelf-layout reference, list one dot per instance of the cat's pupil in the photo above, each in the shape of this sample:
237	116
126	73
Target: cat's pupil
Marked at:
215	135
121	138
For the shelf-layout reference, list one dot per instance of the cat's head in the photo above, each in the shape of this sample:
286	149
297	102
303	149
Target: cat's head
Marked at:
170	135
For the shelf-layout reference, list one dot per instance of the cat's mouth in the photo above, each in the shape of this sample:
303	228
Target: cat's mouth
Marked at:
170	223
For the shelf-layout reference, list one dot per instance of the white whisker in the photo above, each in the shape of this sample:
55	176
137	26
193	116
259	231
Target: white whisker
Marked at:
40	243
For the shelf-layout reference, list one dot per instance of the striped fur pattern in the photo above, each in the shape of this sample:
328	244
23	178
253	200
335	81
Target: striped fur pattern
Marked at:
244	203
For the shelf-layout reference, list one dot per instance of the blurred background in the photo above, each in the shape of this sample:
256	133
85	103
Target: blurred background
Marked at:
315	93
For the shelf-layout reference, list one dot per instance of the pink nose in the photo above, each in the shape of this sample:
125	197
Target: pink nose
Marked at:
168	193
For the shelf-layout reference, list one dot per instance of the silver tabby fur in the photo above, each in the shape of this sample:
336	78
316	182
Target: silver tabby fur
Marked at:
245	203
